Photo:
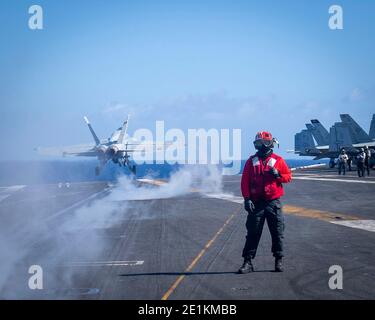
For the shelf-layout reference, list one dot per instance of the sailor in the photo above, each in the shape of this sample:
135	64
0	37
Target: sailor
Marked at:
361	157
261	187
367	159
343	159
350	160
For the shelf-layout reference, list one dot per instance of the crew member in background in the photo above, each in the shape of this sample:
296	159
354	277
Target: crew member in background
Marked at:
261	187
343	159
361	157
367	159
350	160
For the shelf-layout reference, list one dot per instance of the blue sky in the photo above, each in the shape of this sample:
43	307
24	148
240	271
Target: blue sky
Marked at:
254	65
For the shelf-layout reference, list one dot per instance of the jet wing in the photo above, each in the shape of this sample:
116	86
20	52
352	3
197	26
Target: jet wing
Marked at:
322	148
362	145
83	150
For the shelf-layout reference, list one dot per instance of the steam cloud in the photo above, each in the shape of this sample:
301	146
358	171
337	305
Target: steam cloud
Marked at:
79	234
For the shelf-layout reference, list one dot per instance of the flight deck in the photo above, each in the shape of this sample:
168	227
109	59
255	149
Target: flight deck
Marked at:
101	240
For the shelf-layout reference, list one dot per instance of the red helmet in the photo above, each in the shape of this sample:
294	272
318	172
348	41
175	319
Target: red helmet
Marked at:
263	135
264	138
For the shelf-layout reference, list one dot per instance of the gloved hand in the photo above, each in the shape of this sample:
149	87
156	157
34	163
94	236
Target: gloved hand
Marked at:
275	173
249	205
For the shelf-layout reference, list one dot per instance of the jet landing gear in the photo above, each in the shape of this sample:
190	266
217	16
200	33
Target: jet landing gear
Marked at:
99	168
122	162
132	168
125	162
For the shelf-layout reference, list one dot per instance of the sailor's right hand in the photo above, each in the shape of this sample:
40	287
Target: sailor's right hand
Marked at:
249	205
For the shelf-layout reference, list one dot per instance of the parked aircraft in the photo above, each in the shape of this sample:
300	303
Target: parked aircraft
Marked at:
317	142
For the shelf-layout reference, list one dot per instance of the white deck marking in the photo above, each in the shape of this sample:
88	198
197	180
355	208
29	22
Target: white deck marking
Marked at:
368	225
318	175
4	196
77	204
11	188
6	192
104	263
309	166
225	196
335	176
334	180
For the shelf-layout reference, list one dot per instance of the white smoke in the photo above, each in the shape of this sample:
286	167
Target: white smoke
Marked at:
79	235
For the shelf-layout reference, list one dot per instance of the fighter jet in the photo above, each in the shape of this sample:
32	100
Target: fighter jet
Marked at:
304	143
117	148
346	134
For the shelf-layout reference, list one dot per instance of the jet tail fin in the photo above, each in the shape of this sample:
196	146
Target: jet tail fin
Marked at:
124	130
339	137
319	132
357	134
97	141
372	127
303	140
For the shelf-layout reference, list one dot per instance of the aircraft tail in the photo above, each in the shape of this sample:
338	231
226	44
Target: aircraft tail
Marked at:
372	127
302	141
340	137
97	141
357	134
319	132
124	130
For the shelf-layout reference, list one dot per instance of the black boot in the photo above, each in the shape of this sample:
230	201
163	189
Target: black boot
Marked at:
279	265
246	267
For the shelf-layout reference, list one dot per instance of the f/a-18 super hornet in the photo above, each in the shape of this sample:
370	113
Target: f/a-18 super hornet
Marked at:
317	142
117	148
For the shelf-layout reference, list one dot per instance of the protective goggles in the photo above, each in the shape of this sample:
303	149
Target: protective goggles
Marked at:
261	142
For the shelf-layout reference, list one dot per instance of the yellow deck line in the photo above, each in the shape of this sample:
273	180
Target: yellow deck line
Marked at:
153	182
198	257
317	214
288	209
